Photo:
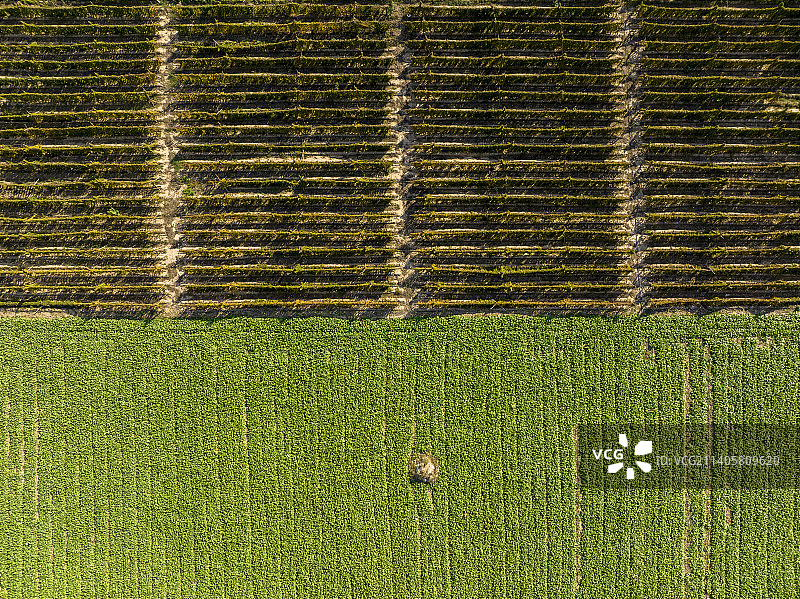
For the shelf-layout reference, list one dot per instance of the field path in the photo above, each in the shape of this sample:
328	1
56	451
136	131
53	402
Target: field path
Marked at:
171	188
629	146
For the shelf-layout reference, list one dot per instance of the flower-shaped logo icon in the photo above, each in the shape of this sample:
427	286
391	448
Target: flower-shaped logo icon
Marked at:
642	448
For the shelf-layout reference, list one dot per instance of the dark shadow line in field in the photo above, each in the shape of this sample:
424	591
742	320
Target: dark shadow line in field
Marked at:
687	394
387	466
708	491
578	521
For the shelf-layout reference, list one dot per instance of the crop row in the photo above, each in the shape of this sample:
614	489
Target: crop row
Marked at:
487	65
120	83
223	204
277	31
286	274
721	117
301	148
250	81
545	99
356	255
77	67
100	205
711	99
90	49
496	184
33	170
115	33
514	150
348	99
495	134
489	46
685	31
521	169
78	119
304	290
430	81
83	276
449	273
296	115
92	134
737	170
71	189
265	221
723	48
83	101
283	133
300	65
235	237
305	11
325	306
61	14
534	204
717	14
721	66
77	239
292	48
510	29
527	14
720	83
290	169
770	203
514	116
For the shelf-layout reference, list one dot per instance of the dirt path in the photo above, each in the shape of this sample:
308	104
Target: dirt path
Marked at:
171	188
402	170
629	149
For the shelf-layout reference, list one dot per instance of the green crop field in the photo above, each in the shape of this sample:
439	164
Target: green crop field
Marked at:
269	458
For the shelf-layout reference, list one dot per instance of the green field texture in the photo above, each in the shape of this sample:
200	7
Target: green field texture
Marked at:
268	458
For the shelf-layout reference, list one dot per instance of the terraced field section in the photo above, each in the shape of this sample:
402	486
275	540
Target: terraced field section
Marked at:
720	133
79	163
267	458
518	187
383	158
282	114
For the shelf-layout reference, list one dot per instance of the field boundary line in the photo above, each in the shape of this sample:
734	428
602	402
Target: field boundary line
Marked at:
36	468
578	500
402	173
171	189
629	146
687	394
709	447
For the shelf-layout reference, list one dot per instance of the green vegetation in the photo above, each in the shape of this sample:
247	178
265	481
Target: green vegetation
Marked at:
269	458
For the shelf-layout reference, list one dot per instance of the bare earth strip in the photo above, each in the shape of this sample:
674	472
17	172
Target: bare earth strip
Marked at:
402	171
629	146
171	189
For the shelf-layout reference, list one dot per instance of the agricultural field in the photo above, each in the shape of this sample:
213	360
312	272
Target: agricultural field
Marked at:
563	169
267	458
384	158
79	163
